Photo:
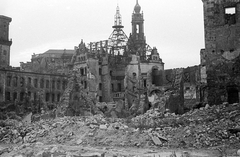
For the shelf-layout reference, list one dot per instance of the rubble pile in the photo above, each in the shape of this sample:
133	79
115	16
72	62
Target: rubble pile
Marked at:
204	127
200	128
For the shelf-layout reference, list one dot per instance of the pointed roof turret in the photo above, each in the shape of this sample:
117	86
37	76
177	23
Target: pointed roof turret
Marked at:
137	7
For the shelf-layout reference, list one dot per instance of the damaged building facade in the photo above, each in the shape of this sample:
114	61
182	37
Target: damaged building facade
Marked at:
19	85
220	60
126	69
120	68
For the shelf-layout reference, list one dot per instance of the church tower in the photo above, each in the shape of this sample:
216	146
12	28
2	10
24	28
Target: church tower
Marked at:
5	43
137	39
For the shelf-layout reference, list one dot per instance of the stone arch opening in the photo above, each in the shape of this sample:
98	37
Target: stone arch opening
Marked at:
233	95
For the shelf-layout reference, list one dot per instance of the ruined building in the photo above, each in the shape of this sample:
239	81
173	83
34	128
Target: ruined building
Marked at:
21	85
220	60
120	68
126	69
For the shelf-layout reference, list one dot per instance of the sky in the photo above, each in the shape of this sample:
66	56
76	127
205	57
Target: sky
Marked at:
175	28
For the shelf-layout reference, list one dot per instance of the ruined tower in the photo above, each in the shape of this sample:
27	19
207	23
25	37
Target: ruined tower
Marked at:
5	43
118	39
137	40
221	56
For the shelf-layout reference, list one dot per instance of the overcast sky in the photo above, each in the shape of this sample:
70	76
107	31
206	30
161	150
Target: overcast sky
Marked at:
174	27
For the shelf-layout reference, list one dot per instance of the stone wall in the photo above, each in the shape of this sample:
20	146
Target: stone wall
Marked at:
222	51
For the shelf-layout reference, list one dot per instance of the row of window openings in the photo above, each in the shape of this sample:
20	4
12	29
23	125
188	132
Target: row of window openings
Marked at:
22	96
119	86
81	58
35	83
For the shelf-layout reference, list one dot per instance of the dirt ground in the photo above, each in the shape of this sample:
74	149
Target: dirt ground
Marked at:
42	150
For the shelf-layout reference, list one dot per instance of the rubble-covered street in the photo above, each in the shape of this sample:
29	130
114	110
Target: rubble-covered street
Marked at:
214	129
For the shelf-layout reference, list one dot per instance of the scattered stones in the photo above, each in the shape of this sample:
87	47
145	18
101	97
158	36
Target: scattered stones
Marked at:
79	141
199	128
156	140
103	127
238	152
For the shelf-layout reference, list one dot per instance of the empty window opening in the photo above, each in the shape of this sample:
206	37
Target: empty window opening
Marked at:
42	83
233	95
145	83
134	75
137	28
47	97
64	85
100	86
9	79
58	97
156	77
22	96
35	96
231	10
230	15
112	87
8	97
53	97
100	71
58	84
14	96
119	87
15	81
82	71
36	83
47	84
100	98
53	84
29	80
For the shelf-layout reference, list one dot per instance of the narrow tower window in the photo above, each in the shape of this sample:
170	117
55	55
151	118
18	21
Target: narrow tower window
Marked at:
137	29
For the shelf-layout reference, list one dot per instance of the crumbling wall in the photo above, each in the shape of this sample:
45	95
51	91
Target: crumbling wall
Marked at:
106	80
93	75
132	81
222	50
2	86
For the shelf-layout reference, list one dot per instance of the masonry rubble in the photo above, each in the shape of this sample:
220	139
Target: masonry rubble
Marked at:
210	126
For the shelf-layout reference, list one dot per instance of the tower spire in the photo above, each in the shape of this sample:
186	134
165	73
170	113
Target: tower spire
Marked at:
117	18
118	39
